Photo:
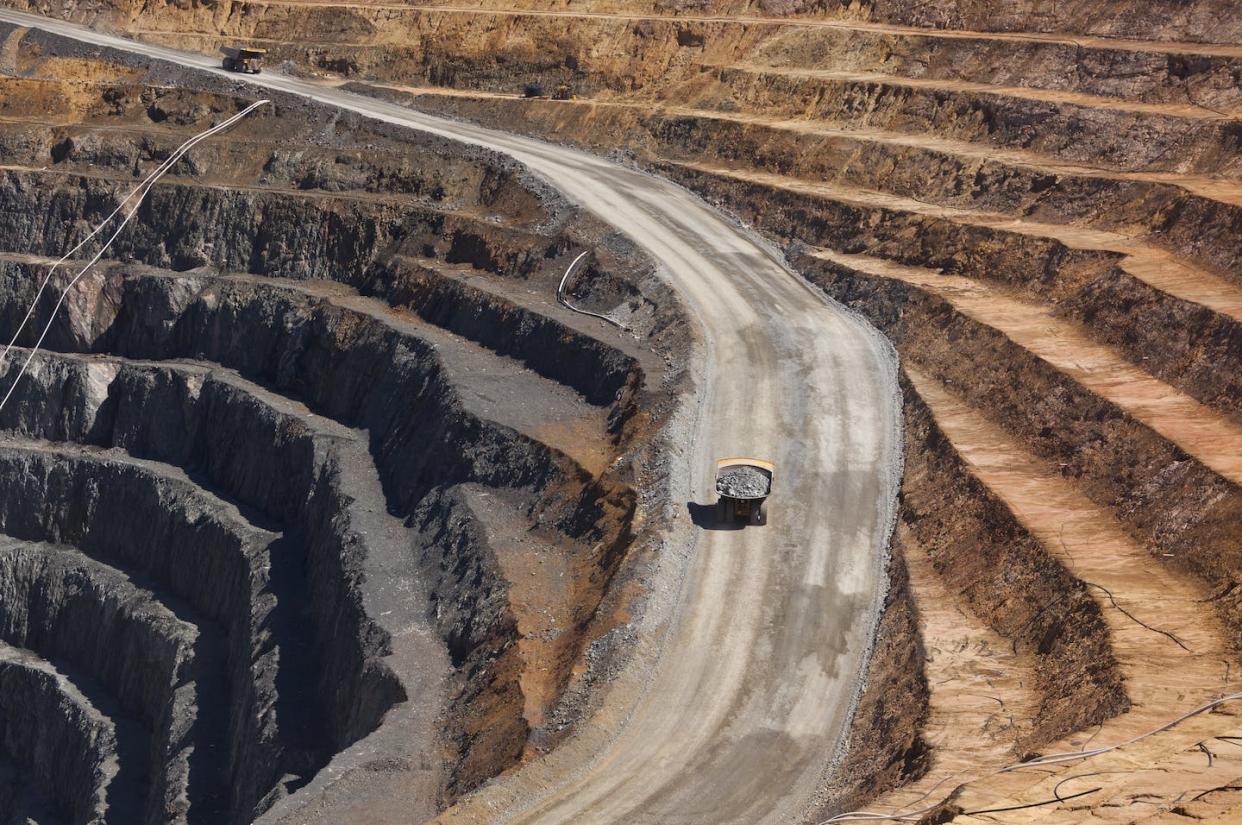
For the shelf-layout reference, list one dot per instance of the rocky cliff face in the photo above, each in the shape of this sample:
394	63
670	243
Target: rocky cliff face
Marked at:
60	739
260	578
1038	203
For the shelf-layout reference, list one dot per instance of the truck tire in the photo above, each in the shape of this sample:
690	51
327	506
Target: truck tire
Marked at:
759	513
722	511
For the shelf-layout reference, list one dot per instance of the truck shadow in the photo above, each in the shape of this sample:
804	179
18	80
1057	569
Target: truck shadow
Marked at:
707	516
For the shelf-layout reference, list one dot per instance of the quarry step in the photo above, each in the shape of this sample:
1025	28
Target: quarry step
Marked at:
1139	74
485	375
294	419
949	87
290	408
1156	267
547	589
108	126
152	603
1092	544
148	658
539	299
491	10
99	550
494	387
502	388
1113	133
387	612
107	367
1200	431
1129	68
978	683
102	148
169	476
194	553
1222	190
67	126
26	258
319	459
522	321
138	603
196	183
1183	213
1172	652
79	742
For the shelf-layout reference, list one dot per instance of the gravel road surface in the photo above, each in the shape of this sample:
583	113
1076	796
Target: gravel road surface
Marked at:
750	653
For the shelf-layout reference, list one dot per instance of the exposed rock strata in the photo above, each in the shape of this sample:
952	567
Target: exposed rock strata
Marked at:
1166	498
294	457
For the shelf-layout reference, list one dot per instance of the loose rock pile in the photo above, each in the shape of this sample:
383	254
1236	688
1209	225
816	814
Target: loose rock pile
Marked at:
743	482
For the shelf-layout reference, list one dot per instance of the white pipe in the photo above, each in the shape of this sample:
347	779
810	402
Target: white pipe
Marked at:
560	290
141	191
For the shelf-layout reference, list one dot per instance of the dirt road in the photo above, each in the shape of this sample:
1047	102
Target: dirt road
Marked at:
750	652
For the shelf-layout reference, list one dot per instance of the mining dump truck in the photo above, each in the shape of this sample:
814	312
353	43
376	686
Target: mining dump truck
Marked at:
743	485
247	61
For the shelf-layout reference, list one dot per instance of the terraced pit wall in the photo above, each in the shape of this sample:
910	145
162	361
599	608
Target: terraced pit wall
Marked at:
277	448
1041	216
633	44
1043	224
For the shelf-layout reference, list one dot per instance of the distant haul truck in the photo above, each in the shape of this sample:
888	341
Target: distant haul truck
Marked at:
561	92
247	61
743	485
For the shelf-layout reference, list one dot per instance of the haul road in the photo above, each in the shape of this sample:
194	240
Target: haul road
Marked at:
751	652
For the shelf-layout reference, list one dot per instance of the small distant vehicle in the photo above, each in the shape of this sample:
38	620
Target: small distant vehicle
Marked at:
245	60
535	89
743	485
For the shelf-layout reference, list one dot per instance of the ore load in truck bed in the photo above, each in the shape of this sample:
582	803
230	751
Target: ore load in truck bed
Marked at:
743	482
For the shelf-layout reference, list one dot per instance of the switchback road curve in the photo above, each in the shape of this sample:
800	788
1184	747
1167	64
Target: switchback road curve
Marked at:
751	653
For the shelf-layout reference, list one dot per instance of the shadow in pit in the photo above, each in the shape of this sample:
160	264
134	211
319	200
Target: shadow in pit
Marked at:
707	516
300	713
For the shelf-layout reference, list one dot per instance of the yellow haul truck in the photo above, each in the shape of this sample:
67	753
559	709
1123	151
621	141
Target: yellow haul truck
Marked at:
743	485
247	61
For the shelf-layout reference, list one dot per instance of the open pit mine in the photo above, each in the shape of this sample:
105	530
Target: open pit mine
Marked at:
648	412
